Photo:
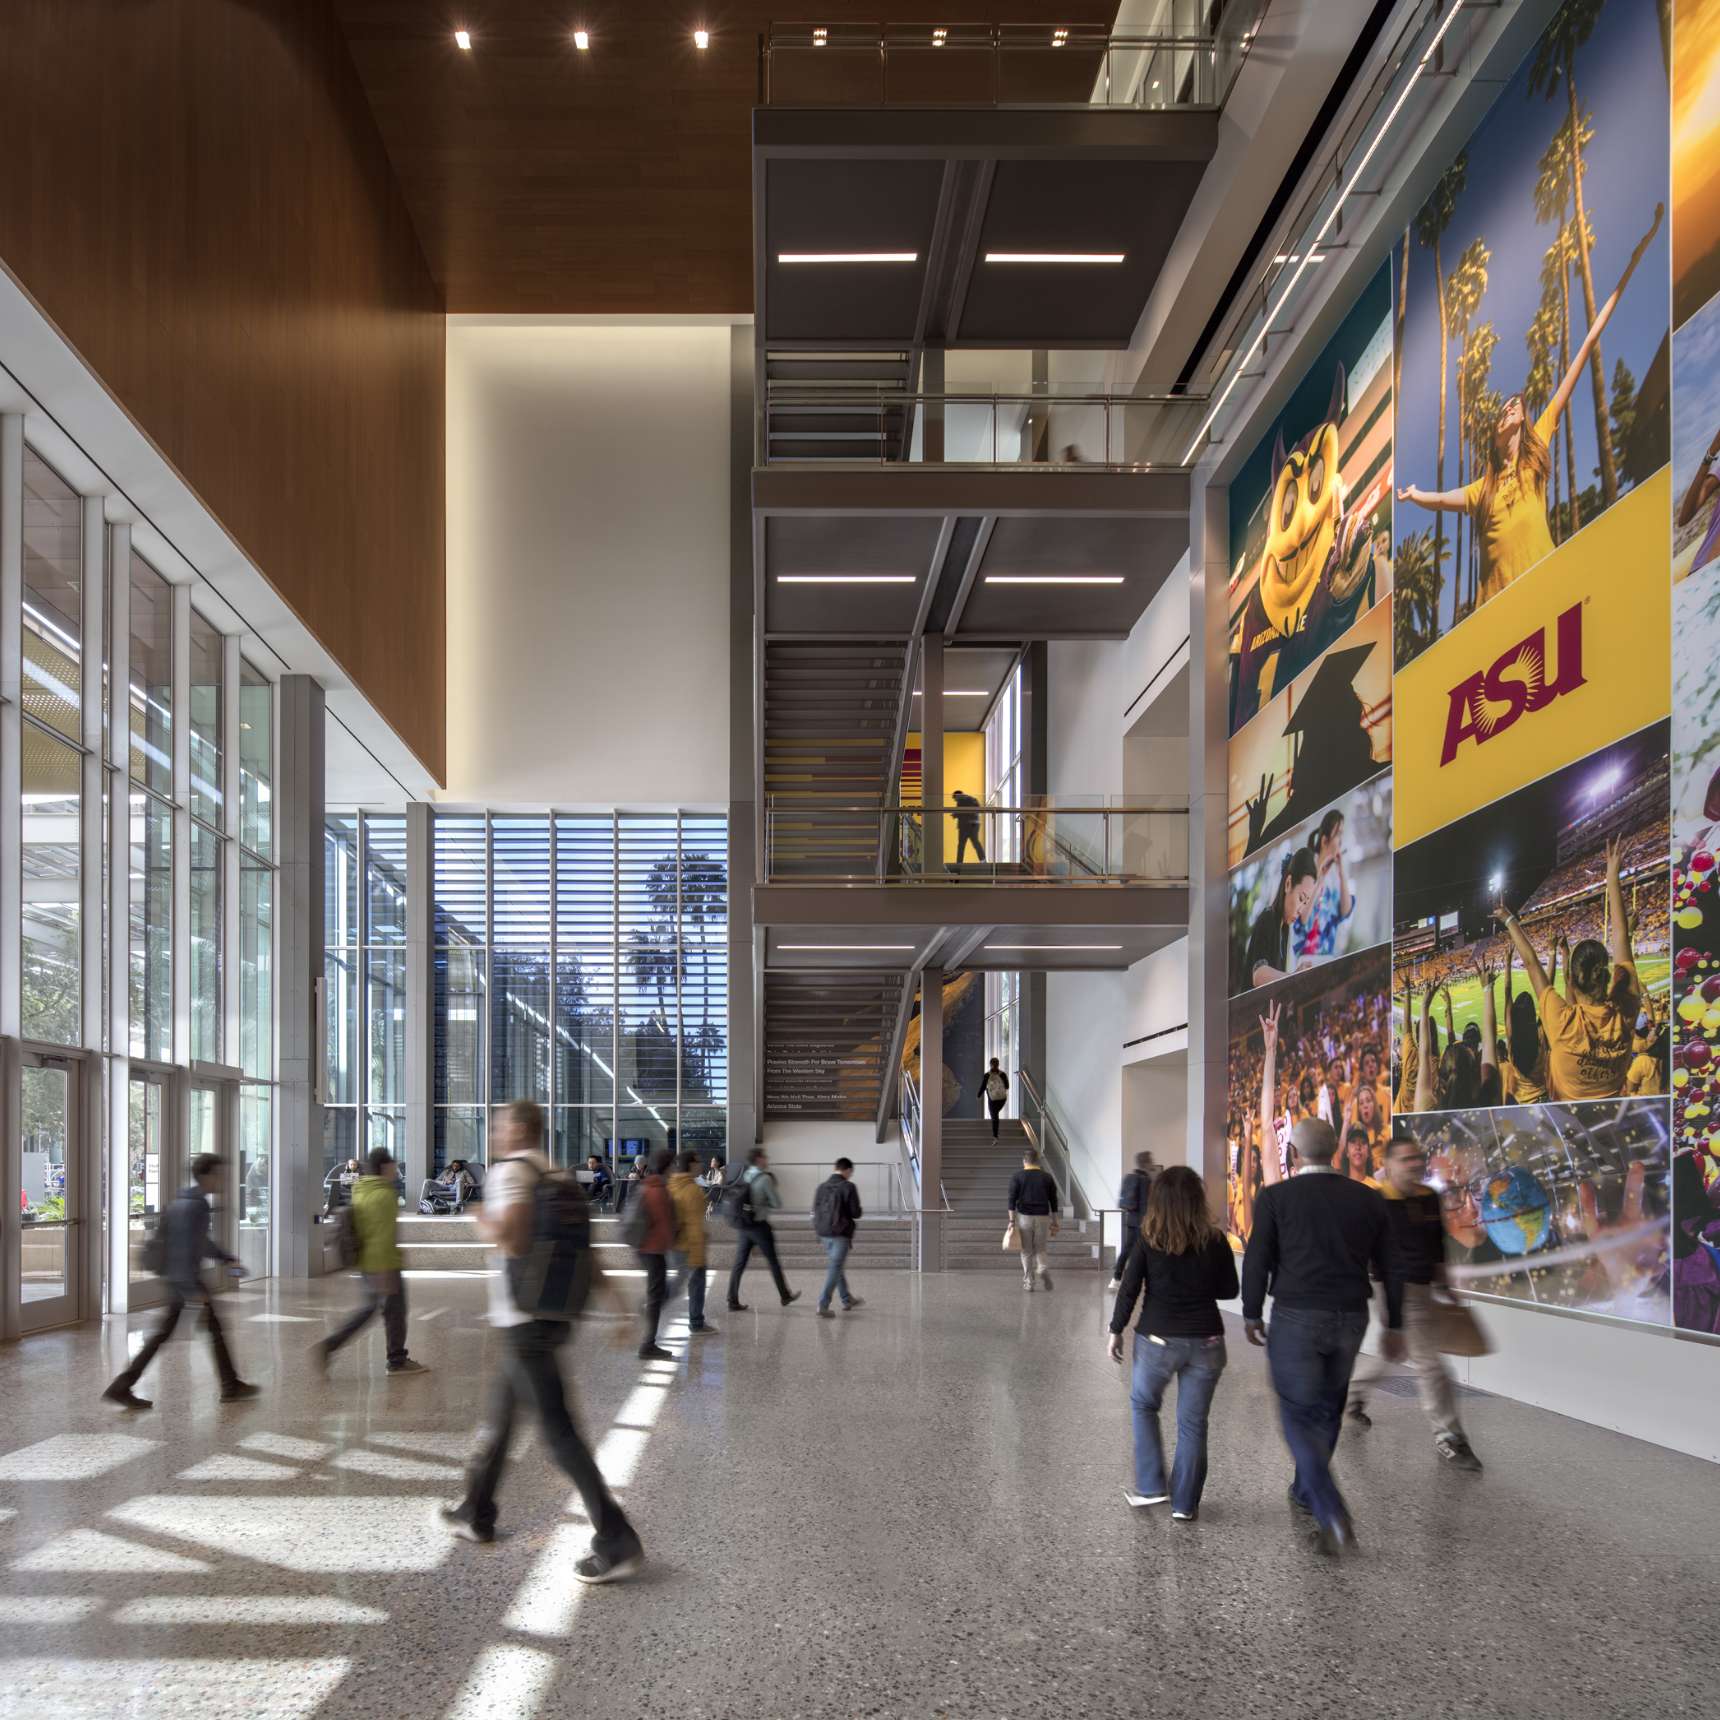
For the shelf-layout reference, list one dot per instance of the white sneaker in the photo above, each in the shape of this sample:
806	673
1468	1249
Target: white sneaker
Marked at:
1138	1500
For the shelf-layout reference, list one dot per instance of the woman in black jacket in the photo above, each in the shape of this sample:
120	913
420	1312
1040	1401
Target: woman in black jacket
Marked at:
1183	1267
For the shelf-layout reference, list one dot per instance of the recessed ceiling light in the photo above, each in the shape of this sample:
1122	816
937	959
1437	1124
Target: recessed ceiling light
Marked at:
846	578
1054	579
463	39
1059	36
820	35
938	36
1092	947
957	693
845	946
848	256
701	39
582	40
1054	256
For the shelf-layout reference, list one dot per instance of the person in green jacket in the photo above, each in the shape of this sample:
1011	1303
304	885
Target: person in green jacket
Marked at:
375	1209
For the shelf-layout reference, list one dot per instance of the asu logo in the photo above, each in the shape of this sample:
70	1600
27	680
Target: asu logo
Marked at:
1491	700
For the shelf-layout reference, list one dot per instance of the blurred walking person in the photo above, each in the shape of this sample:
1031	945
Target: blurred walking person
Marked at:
835	1212
1316	1238
1033	1217
1180	1267
1132	1200
651	1231
540	1221
374	1214
688	1254
746	1201
994	1089
1418	1238
175	1253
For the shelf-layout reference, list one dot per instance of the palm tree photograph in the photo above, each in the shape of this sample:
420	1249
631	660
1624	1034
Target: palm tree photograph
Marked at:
1533	323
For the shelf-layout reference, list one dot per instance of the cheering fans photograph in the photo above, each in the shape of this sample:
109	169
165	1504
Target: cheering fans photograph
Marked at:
1322	892
1532	948
1308	1048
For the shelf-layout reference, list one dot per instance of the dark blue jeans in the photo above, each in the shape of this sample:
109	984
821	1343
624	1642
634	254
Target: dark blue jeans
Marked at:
1312	1353
836	1280
1195	1364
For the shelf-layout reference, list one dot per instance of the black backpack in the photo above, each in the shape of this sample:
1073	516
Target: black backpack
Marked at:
829	1206
736	1204
552	1279
152	1257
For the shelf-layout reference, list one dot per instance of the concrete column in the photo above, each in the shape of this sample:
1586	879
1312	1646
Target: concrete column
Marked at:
299	966
745	1025
932	753
420	995
117	997
1209	801
11	853
931	1119
932	386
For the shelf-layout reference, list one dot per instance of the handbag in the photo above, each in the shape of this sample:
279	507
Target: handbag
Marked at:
1456	1331
1011	1238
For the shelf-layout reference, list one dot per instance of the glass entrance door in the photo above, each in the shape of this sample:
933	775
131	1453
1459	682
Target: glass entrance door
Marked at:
51	1207
207	1109
152	1172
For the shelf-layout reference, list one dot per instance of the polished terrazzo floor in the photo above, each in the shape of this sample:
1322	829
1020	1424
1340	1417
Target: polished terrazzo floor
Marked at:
913	1510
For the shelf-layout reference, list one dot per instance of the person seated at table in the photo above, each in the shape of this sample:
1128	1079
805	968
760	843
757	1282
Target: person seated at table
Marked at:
600	1182
456	1185
337	1185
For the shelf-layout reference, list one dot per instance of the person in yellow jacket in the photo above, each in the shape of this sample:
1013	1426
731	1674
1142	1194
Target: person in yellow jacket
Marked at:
375	1210
689	1251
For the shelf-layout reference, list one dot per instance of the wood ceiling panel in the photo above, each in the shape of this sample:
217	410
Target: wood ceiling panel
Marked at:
619	181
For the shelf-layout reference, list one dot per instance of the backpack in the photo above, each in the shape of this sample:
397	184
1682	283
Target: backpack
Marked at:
736	1203
636	1221
996	1087
552	1279
829	1207
153	1255
345	1239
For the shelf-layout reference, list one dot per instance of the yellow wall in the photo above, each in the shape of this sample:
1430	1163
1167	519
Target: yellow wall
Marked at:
964	765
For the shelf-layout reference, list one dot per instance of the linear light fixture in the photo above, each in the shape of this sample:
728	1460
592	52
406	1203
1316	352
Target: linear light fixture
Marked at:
845	578
848	256
866	947
1055	256
957	693
1053	579
1270	320
463	40
1088	947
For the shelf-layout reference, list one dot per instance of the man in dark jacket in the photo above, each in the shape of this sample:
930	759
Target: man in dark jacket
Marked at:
967	826
1132	1198
655	1218
1033	1217
835	1212
1317	1239
185	1232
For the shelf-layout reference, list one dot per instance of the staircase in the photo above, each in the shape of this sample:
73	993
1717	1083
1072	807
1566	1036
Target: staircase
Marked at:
976	1180
881	1244
836	405
826	1035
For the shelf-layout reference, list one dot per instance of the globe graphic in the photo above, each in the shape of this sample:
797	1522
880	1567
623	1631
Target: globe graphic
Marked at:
1514	1211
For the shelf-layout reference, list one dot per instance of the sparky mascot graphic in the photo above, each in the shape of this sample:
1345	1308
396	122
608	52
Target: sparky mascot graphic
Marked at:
1316	570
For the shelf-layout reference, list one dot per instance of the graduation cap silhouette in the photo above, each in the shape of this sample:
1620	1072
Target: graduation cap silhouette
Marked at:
1333	751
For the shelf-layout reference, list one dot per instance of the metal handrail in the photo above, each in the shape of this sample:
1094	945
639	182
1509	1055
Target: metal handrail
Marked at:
893	413
1205	66
1069	1184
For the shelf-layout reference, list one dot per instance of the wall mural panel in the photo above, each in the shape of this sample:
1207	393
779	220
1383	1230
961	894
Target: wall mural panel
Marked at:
1546	1014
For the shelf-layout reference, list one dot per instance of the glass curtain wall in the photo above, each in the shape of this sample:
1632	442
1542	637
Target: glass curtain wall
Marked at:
1004	782
1003	1031
364	985
581	962
69	586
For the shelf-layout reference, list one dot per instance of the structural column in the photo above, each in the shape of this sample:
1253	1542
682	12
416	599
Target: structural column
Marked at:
11	842
299	951
118	998
932	387
1209	802
420	996
932	753
931	1119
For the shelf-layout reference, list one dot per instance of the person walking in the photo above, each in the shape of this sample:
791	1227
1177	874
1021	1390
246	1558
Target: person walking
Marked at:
1418	1238
1132	1199
967	826
746	1201
994	1089
373	1217
1180	1268
1033	1217
1316	1237
185	1243
835	1212
539	1220
653	1224
688	1255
